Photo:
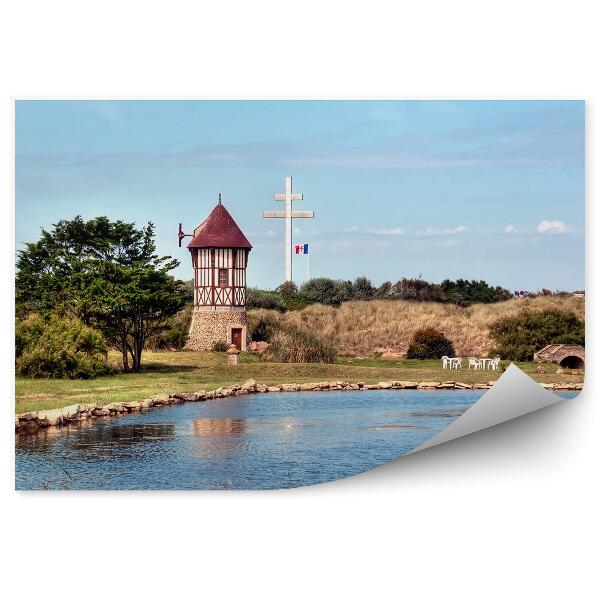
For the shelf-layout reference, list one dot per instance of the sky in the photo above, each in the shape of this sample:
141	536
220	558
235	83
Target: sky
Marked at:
488	190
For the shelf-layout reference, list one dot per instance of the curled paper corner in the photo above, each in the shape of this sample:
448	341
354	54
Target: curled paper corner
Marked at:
513	395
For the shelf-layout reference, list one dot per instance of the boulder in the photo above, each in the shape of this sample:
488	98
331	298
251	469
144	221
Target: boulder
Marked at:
274	388
384	385
428	385
249	384
540	369
463	386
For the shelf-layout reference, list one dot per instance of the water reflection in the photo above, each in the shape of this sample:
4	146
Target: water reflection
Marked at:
267	441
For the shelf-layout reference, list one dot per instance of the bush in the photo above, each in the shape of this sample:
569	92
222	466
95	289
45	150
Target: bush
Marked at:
327	291
220	347
262	328
58	347
294	346
519	337
429	343
256	298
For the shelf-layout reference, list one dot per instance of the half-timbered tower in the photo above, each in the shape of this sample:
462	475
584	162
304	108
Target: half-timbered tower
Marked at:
219	253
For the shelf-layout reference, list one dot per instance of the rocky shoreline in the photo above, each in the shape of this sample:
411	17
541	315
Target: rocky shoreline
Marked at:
59	417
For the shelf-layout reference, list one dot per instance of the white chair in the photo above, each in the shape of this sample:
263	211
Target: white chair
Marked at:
456	363
446	362
495	363
474	362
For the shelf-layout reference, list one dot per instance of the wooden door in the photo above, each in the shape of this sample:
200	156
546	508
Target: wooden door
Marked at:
236	338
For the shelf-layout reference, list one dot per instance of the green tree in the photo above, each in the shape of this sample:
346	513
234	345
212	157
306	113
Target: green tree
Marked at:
106	274
519	337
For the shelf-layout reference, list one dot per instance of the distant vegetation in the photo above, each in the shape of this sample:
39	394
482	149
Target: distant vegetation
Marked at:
385	326
520	336
333	292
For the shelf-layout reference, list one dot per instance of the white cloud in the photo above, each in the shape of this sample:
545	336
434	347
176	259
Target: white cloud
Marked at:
351	229
448	231
393	231
552	227
512	230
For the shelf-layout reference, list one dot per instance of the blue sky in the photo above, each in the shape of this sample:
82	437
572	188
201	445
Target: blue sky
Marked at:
480	189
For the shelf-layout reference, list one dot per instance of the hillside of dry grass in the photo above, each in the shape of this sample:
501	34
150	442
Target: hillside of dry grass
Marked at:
362	328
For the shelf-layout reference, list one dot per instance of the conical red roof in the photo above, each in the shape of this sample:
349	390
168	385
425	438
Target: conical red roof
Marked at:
219	231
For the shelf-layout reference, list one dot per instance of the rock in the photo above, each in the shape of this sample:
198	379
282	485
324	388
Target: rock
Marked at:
463	386
408	385
133	406
52	417
449	385
70	412
428	385
261	388
249	384
481	386
559	371
370	386
540	369
384	385
30	416
274	388
353	386
491	383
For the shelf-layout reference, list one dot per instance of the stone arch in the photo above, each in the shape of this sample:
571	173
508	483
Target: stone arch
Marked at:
572	362
570	356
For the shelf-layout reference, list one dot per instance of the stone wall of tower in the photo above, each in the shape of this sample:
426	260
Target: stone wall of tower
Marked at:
209	327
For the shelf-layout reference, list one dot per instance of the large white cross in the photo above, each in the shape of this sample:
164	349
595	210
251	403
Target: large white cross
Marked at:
288	214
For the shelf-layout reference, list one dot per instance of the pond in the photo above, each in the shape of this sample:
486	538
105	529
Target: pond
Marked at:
261	441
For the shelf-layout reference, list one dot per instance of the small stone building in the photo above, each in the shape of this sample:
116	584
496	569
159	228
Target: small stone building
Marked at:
219	252
571	356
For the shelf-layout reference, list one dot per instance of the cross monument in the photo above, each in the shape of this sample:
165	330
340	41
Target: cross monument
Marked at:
288	214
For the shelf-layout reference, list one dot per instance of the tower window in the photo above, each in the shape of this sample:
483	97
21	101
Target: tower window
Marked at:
222	277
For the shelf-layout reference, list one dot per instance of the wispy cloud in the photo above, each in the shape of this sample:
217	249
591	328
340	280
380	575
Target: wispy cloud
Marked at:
392	231
556	227
351	229
448	231
512	230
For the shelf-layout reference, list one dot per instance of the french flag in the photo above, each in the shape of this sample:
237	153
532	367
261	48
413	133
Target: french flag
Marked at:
302	249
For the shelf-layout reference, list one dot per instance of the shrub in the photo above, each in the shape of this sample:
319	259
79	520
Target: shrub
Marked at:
57	347
294	346
429	343
327	291
256	298
220	346
261	328
519	337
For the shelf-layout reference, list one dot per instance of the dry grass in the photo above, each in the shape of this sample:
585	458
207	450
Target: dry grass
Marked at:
361	328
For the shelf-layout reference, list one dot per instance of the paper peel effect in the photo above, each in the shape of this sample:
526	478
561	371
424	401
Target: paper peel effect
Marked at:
513	395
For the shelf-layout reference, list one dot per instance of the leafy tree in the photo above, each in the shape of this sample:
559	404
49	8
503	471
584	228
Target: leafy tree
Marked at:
429	343
384	290
521	336
105	273
288	287
464	293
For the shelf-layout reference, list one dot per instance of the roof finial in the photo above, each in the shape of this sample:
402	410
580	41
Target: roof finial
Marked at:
219	198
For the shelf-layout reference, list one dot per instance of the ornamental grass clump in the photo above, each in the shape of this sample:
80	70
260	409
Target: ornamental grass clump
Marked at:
59	348
294	346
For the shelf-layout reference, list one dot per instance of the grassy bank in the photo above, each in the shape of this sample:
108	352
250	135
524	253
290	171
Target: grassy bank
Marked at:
168	372
361	328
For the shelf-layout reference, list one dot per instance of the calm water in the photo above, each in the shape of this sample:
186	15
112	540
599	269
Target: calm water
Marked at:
262	441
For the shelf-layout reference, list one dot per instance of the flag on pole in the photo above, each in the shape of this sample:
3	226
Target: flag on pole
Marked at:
302	249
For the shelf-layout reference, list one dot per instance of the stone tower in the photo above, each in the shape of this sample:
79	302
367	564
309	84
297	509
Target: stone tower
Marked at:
219	252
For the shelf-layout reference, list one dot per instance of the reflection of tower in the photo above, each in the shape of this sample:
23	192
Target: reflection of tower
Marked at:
219	252
220	436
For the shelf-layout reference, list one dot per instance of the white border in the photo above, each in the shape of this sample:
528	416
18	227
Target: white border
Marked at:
510	512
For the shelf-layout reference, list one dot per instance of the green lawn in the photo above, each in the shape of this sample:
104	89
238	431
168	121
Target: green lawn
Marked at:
168	372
